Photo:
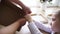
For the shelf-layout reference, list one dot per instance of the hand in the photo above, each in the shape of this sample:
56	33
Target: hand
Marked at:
21	21
27	10
10	29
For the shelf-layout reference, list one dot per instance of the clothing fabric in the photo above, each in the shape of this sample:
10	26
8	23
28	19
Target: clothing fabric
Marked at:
35	26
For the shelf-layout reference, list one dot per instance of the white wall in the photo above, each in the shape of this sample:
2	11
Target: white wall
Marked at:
56	2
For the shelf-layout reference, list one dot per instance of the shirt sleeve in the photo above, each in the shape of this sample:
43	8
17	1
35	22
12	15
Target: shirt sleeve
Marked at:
42	26
33	29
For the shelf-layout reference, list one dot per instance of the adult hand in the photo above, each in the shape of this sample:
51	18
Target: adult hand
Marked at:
22	21
26	10
10	29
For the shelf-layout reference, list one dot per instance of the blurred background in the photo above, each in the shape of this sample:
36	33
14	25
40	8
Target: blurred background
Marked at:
41	10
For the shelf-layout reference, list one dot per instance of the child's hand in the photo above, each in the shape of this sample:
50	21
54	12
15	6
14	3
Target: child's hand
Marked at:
27	12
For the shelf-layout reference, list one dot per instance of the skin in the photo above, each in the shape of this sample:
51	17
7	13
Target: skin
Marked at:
13	27
55	23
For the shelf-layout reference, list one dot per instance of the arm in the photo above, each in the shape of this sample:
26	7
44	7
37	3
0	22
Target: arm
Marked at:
43	26
31	25
33	28
11	29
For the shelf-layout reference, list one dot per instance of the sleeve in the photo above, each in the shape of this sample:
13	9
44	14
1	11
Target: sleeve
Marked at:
33	29
44	27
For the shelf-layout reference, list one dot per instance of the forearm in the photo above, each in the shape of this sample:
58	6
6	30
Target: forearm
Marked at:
11	28
42	26
18	2
33	28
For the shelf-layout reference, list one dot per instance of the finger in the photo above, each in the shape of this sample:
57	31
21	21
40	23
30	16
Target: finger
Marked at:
21	20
